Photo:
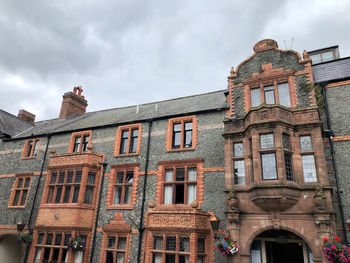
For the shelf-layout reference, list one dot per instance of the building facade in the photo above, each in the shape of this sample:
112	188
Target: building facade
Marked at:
264	160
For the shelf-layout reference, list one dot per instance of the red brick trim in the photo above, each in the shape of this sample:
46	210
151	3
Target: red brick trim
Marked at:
214	169
118	137
79	134
337	84
21	189
7	175
110	190
341	138
31	154
169	133
179	163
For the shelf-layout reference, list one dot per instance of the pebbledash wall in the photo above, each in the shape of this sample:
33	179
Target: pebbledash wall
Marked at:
148	228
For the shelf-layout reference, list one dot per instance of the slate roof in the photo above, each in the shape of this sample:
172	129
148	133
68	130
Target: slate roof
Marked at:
11	124
174	107
336	69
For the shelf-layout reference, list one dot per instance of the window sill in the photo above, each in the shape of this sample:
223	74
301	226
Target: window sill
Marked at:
29	158
126	155
181	149
175	207
70	206
120	207
16	207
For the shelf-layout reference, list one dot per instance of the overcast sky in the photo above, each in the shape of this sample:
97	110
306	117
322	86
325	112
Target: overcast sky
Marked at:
128	52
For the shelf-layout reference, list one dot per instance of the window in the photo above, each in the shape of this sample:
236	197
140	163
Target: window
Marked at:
283	94
90	187
308	159
31	148
128	139
268	159
80	141
238	163
123	187
272	94
287	157
182	133
20	191
65	186
180	185
269	93
255	97
116	249
173	248
52	247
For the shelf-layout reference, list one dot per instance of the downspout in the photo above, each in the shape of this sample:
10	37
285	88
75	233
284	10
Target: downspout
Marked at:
141	228
36	191
330	136
98	211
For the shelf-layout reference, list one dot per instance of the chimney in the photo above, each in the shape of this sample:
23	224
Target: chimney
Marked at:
26	116
73	103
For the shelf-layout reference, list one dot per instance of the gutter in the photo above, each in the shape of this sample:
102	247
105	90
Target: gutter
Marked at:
330	135
36	192
141	228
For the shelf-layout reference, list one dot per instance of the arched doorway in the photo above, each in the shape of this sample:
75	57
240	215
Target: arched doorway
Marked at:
280	246
10	249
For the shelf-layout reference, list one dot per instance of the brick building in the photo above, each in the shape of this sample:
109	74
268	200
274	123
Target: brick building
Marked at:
264	160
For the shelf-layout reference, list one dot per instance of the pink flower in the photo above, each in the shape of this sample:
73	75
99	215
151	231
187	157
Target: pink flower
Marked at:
325	239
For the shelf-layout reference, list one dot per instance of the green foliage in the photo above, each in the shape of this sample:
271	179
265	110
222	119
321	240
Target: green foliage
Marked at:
25	238
307	87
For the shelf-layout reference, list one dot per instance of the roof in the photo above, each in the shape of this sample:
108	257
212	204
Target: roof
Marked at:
11	124
137	113
331	70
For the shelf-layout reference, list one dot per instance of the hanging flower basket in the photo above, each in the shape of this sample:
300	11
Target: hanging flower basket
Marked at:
226	246
76	243
334	251
25	238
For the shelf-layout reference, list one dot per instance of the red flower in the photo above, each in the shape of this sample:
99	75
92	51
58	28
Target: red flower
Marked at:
226	238
229	236
325	239
337	239
76	236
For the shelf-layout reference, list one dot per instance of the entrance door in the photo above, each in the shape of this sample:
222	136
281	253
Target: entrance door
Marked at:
284	253
279	246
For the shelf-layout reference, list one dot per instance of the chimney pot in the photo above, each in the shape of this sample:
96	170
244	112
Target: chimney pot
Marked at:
73	103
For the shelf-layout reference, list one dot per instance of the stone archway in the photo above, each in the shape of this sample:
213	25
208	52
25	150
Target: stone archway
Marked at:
10	249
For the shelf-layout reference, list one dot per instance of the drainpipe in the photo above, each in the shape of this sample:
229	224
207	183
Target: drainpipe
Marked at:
330	136
98	211
141	228
36	191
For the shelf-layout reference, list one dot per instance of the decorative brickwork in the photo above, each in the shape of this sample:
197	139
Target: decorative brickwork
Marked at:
130	149
170	133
